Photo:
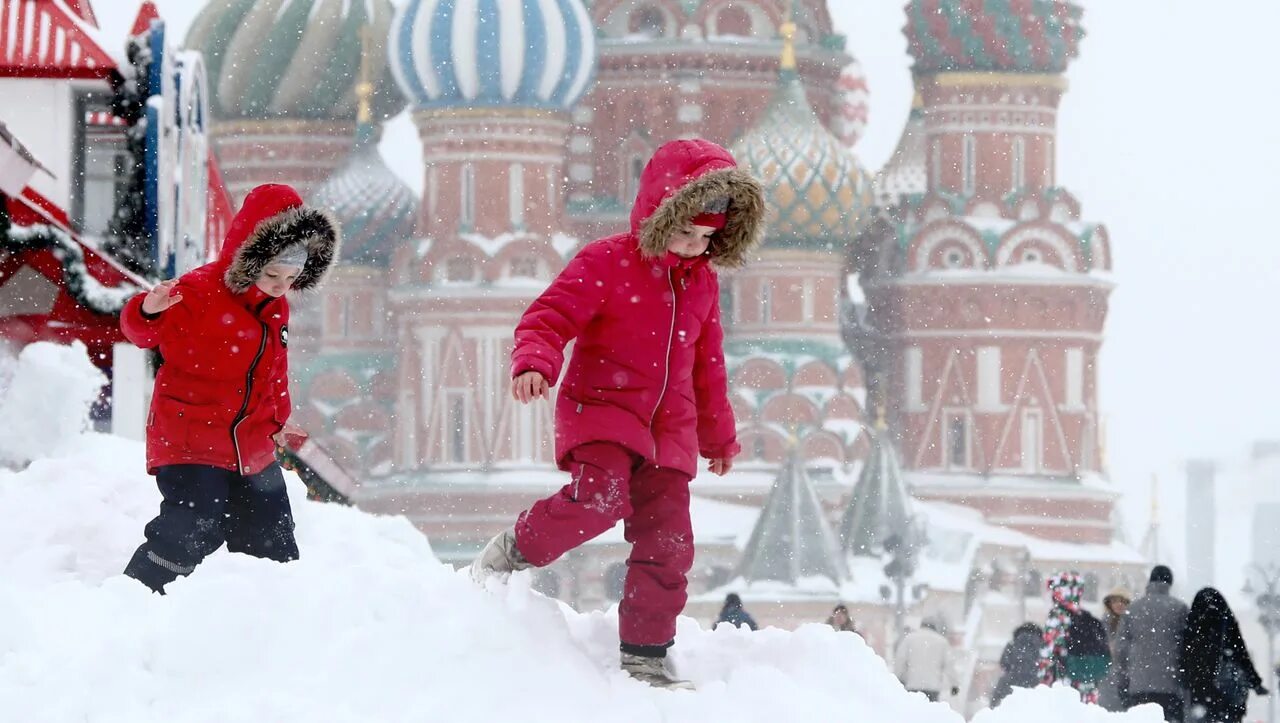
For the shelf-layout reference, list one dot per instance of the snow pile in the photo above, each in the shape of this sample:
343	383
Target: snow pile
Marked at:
368	625
45	400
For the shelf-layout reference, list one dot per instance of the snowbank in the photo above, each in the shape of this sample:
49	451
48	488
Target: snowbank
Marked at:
369	626
44	399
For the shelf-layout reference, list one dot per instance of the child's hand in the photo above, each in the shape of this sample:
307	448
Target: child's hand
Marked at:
161	297
290	436
529	386
722	465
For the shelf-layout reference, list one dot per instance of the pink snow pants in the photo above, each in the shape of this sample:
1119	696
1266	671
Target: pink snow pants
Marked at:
610	483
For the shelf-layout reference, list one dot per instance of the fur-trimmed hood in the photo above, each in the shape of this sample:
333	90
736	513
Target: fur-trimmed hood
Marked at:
678	182
272	218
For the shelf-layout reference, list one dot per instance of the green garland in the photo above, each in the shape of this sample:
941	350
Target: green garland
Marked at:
86	290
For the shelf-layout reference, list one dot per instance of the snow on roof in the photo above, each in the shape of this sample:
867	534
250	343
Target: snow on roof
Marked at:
958	518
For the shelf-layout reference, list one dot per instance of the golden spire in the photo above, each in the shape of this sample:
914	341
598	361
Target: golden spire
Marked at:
788	30
881	425
364	88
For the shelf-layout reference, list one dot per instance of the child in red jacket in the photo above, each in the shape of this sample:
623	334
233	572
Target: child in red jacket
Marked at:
221	399
646	390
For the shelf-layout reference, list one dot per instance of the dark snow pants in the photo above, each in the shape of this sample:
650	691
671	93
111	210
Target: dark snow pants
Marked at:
610	483
203	507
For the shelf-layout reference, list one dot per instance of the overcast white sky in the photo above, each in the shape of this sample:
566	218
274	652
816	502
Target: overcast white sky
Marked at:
1166	136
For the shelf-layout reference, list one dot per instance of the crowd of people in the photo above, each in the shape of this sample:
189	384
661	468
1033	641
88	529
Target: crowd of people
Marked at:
1191	662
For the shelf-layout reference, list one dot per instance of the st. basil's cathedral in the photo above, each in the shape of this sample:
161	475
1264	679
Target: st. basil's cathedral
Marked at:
913	352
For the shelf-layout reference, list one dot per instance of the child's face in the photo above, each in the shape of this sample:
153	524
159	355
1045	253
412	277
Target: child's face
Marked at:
690	241
277	278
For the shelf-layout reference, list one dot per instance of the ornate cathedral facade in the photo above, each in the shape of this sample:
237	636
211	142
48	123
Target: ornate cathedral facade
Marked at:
958	290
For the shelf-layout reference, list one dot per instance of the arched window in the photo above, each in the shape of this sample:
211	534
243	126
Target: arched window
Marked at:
969	167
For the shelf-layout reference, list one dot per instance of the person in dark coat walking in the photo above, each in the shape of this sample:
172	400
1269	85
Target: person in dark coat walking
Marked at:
732	613
1019	662
645	393
221	401
1216	665
1149	649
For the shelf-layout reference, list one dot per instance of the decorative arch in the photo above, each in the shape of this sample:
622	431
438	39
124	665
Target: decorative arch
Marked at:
935	248
504	262
759	373
1050	241
815	374
790	409
843	406
822	444
618	18
762	17
763	442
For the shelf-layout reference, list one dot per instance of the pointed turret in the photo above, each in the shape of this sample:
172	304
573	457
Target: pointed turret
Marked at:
880	506
792	539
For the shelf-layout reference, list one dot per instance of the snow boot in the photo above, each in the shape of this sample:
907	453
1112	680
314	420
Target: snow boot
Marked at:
652	670
499	557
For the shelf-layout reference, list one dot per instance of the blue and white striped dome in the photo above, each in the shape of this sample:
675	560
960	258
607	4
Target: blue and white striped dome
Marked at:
468	53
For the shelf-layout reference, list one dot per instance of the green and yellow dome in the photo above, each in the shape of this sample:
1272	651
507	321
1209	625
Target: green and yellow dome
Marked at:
817	192
296	59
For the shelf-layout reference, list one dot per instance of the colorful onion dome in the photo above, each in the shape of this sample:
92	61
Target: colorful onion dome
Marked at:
816	192
376	209
1017	36
851	121
293	58
468	53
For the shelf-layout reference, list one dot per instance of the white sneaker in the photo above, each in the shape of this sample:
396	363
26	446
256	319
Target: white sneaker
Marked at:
653	671
499	557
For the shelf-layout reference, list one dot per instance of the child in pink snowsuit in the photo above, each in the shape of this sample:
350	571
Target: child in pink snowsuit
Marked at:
646	390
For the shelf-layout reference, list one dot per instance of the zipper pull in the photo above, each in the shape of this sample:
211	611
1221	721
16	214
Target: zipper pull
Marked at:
684	283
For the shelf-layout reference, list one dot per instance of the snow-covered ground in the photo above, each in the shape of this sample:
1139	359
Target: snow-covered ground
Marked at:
367	626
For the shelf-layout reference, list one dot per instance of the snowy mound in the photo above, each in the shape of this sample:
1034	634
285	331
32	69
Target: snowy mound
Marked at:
369	626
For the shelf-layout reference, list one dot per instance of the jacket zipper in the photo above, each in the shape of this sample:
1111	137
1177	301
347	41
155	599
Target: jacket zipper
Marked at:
248	390
666	364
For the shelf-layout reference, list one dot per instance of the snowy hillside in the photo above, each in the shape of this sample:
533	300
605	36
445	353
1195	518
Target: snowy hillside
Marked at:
367	626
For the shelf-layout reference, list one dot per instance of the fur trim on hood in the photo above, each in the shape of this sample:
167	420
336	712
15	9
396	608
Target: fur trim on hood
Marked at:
317	230
700	171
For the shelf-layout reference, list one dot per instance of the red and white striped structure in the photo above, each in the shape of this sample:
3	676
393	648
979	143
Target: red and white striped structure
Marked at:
50	38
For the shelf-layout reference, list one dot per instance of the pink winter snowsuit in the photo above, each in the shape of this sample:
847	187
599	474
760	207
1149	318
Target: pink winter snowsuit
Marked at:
646	390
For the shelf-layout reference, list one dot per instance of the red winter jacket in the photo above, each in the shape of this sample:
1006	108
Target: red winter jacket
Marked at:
223	387
648	368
